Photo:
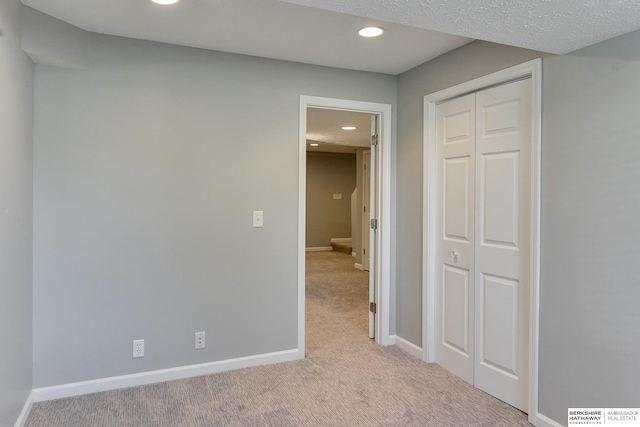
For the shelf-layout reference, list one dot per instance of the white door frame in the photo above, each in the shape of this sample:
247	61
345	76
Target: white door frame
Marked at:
532	69
382	262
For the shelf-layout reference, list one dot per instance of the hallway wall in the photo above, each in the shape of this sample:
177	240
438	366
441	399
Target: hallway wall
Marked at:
16	215
327	218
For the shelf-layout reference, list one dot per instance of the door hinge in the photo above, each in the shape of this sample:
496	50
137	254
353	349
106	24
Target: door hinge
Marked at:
372	307
374	224
374	140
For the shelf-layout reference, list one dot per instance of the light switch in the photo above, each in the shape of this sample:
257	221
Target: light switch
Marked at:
257	219
337	196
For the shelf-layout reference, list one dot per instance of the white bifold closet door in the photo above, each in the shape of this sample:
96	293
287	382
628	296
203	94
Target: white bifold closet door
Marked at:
483	261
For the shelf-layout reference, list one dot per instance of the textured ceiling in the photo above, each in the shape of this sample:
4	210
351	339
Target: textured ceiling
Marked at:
554	26
266	28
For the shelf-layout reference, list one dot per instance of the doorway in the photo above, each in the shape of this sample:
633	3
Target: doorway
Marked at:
380	211
337	141
481	232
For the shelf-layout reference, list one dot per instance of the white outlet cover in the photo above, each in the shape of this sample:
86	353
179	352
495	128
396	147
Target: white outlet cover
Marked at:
199	340
138	348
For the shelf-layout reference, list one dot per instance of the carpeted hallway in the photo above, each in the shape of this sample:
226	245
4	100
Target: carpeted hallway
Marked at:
345	380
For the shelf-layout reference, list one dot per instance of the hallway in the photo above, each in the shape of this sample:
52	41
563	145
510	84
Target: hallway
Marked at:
337	301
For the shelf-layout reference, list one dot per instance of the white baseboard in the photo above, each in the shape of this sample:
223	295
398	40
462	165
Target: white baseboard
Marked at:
405	345
142	378
319	249
341	239
26	409
358	266
544	421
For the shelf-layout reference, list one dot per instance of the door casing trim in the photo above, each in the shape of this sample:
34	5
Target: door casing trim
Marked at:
382	262
531	69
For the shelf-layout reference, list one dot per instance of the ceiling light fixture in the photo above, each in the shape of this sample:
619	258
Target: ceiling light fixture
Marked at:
314	145
348	128
370	31
165	2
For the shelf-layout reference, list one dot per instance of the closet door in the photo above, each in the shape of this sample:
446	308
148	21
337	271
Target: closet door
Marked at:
455	153
502	229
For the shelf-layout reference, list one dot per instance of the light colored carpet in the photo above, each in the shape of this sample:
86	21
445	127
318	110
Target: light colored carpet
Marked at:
345	380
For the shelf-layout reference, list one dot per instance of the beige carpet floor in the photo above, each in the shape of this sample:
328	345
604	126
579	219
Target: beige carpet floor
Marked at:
345	380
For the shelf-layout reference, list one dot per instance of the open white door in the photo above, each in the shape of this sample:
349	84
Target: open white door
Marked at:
371	225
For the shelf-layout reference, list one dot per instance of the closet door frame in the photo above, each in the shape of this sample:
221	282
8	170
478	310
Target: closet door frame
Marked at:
533	70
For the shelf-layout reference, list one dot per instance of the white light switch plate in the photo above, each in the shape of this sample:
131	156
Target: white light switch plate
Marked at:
337	196
257	219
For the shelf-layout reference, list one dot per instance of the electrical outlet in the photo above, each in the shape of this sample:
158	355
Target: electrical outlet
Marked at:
199	340
138	348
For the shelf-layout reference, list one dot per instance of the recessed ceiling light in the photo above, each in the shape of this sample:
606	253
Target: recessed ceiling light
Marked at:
348	128
165	1
314	145
371	31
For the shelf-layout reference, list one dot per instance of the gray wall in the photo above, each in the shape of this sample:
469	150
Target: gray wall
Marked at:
16	217
147	168
590	295
327	218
